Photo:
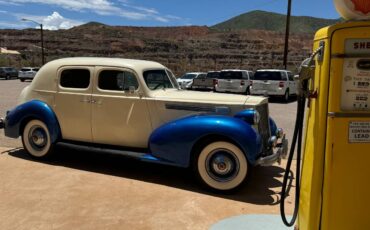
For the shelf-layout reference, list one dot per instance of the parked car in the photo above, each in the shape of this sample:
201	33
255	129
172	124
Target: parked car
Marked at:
135	108
8	73
273	82
235	81
206	83
186	81
27	73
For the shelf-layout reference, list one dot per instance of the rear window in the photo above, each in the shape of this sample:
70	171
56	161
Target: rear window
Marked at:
231	75
36	69
213	75
25	69
75	78
268	76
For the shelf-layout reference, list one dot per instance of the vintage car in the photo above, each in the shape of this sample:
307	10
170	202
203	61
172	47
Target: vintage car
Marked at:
135	108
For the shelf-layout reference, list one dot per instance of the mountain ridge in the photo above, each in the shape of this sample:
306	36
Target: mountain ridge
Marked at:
274	22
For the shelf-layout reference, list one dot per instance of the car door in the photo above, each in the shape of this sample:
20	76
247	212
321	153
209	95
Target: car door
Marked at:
73	102
119	112
292	83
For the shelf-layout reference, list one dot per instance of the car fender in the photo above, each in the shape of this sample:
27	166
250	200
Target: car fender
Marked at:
34	109
174	141
273	126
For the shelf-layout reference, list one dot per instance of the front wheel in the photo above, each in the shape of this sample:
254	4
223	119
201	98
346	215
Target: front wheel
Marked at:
221	166
36	139
22	80
7	77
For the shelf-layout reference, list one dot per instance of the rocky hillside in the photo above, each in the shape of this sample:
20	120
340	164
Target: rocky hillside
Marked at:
274	22
182	49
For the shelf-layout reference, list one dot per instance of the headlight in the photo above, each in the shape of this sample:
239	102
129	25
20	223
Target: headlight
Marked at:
257	117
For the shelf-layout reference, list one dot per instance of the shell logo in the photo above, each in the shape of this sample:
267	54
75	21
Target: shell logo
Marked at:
353	9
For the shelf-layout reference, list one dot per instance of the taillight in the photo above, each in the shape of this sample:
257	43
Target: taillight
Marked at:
215	81
242	83
281	84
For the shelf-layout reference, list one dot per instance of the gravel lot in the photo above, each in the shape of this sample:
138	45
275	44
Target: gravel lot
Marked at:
83	190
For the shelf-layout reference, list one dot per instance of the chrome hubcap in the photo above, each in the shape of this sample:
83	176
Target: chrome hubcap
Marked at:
37	137
222	165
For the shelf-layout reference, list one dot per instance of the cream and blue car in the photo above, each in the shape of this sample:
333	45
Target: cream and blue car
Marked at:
135	108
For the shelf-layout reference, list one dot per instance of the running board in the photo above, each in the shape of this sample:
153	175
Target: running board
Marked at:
136	155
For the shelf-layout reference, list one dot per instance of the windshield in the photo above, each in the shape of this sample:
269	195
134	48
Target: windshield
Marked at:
10	69
157	79
213	75
231	75
188	76
268	76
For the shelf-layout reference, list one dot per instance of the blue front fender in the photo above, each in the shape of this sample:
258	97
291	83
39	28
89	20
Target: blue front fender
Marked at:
31	110
174	141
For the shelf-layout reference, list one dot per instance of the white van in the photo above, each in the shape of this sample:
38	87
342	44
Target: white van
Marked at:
234	81
274	82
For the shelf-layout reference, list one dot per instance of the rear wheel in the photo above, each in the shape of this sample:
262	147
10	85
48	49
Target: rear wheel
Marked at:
36	139
221	166
22	80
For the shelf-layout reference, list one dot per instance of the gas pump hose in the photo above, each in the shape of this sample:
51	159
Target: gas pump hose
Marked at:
297	137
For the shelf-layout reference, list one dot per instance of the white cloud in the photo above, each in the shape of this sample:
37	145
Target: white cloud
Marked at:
123	8
54	21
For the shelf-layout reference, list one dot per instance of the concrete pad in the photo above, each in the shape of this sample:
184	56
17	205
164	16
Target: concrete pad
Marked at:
84	190
252	222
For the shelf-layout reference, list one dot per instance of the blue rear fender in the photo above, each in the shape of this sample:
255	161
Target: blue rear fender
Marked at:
17	118
174	141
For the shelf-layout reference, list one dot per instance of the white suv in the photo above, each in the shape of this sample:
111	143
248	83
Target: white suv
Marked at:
235	81
274	82
27	73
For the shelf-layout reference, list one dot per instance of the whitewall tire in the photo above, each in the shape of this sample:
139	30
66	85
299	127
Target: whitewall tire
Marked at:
222	166
36	139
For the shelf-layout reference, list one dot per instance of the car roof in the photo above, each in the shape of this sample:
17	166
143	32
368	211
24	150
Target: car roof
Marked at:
194	73
103	61
236	70
273	70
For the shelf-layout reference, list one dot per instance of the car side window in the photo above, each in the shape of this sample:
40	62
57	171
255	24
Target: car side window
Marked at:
75	78
290	76
283	76
202	76
117	80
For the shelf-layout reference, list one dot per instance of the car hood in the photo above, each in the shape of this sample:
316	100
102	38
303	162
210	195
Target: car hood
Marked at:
187	96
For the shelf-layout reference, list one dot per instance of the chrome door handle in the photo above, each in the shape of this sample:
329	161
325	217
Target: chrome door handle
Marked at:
96	102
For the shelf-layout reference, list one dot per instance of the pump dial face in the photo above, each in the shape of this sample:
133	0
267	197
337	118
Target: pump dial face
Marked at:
353	9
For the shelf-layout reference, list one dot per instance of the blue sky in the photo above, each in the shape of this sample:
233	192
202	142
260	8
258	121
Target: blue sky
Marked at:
67	13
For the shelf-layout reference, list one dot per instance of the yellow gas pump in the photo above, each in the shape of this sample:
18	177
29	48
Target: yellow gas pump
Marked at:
334	188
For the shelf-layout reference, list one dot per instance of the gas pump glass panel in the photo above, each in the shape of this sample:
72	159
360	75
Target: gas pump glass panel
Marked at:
356	76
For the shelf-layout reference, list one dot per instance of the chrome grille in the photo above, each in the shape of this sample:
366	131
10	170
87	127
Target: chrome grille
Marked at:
264	125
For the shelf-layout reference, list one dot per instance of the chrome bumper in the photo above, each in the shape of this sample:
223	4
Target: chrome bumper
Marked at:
279	152
2	123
